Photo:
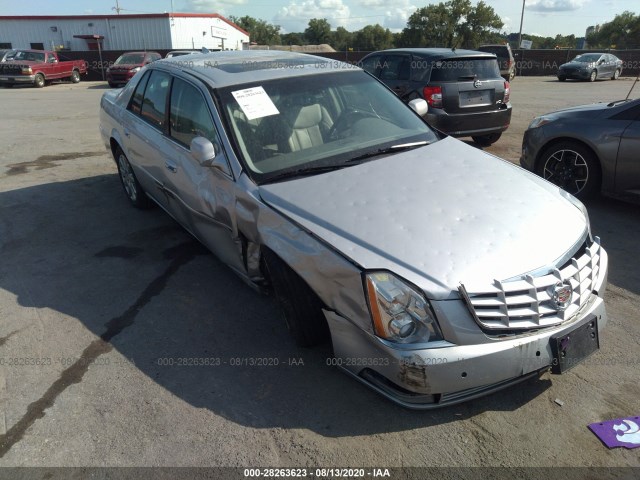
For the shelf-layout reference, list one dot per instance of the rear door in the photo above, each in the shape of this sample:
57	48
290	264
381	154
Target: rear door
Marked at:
469	84
628	165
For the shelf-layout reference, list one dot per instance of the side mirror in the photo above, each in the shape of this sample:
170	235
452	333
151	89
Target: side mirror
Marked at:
420	106
205	154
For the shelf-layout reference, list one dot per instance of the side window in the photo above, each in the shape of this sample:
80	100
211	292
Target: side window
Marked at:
372	64
154	104
136	100
396	67
189	117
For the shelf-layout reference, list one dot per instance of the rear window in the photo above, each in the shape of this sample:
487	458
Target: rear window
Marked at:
464	69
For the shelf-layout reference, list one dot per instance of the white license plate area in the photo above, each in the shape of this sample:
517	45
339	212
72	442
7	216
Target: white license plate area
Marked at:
475	97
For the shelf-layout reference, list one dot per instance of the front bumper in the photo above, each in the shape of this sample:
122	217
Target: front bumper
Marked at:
468	124
575	74
120	77
532	143
21	79
437	377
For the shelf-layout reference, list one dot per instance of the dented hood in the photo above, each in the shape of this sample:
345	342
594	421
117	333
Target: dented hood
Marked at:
439	215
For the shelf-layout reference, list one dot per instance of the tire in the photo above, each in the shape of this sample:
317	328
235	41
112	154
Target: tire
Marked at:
616	74
301	307
113	85
487	140
594	76
7	85
130	184
39	80
75	76
562	79
571	166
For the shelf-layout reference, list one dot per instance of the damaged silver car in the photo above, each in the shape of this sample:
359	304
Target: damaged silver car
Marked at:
439	272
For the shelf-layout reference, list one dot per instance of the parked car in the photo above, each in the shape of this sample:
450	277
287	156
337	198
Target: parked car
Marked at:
6	55
591	66
180	53
505	59
38	68
587	149
410	250
127	65
467	97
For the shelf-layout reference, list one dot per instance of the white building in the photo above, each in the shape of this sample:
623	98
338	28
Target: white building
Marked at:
158	31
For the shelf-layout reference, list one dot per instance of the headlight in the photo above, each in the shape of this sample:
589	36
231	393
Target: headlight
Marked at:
136	70
26	71
399	312
540	121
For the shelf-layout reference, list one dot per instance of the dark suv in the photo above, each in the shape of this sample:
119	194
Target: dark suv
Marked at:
464	89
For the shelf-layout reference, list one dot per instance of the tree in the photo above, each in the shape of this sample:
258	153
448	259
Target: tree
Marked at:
373	37
622	32
318	31
455	23
260	32
342	39
293	39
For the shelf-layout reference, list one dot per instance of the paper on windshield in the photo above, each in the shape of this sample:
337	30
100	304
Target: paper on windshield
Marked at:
255	103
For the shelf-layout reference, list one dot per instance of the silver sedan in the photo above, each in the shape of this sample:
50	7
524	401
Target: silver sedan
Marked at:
420	258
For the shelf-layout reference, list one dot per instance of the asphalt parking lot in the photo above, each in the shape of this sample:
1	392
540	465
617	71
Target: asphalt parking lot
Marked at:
102	307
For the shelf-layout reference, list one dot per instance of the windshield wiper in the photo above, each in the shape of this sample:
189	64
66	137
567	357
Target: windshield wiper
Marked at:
302	172
388	150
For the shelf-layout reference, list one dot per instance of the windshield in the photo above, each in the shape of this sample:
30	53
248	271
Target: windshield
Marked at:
588	58
316	122
29	56
130	59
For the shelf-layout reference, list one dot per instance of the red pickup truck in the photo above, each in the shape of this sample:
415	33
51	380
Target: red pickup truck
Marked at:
39	67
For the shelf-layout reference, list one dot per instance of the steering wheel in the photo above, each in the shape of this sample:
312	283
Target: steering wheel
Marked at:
345	121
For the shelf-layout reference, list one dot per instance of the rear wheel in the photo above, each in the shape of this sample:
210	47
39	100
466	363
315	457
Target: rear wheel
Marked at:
616	75
562	78
130	183
572	167
39	80
593	76
75	76
301	307
486	140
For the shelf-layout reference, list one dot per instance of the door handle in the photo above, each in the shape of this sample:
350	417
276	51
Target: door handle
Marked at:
170	167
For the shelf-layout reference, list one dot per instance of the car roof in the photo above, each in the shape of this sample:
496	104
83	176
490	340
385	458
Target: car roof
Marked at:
237	67
439	53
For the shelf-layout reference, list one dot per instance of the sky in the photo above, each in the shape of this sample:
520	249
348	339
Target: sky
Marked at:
541	17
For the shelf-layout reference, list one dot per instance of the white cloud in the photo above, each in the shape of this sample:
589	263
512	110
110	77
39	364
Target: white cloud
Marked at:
295	17
555	5
209	6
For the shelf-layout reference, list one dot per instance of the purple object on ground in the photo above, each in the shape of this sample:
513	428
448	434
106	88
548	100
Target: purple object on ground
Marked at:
621	432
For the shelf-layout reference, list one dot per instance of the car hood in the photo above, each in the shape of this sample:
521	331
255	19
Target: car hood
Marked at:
125	66
578	64
591	111
440	215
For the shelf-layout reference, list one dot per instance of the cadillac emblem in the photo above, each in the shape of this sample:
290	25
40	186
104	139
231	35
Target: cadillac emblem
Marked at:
561	295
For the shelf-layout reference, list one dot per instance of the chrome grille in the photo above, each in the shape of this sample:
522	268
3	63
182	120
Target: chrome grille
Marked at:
528	303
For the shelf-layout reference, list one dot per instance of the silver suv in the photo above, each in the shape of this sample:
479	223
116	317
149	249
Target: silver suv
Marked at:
411	252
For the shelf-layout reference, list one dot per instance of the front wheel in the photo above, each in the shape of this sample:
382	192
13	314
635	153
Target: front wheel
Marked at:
39	80
130	183
593	76
616	75
75	76
301	307
572	167
562	78
487	140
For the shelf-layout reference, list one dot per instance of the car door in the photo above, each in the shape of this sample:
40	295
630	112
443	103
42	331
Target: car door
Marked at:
201	196
144	125
395	72
628	165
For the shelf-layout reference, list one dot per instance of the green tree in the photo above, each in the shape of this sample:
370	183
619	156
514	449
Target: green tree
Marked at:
342	39
622	32
456	23
261	32
293	39
318	31
373	37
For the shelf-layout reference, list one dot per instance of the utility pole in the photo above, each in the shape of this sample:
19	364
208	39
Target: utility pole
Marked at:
521	20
